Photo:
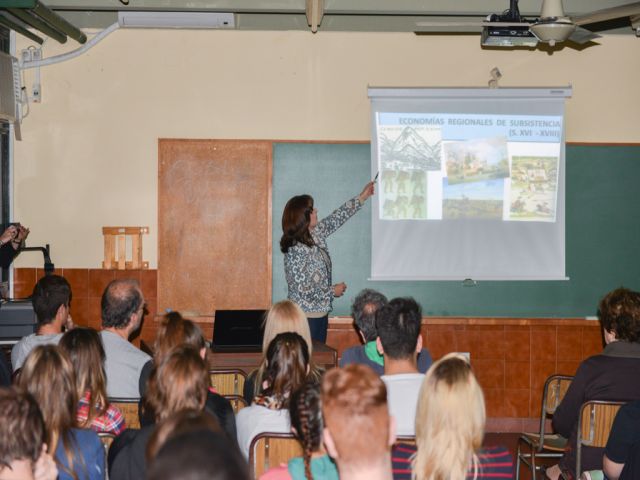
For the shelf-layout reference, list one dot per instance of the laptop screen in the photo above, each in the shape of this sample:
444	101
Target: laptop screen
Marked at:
238	328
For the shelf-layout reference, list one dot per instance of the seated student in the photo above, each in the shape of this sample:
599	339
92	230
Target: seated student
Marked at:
47	374
84	348
358	430
284	316
363	311
173	332
622	455
450	424
306	424
23	452
607	376
399	340
287	366
51	298
179	382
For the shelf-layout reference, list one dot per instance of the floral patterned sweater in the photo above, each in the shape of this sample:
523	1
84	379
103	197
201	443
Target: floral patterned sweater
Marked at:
308	269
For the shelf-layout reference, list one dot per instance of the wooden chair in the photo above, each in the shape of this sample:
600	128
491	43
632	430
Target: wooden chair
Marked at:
107	440
541	444
410	439
270	449
130	410
594	425
237	402
228	382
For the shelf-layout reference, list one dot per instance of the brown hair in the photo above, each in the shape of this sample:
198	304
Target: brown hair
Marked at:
354	405
23	431
180	381
287	362
619	312
305	412
84	348
48	375
174	330
184	421
295	222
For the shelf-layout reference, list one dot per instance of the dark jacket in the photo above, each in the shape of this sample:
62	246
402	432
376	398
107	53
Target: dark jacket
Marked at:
357	355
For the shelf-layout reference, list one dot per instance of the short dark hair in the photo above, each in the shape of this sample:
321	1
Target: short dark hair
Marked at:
398	325
48	295
199	455
121	299
363	311
295	222
22	427
619	312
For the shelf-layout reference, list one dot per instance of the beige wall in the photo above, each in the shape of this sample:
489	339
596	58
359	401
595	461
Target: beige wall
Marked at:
89	154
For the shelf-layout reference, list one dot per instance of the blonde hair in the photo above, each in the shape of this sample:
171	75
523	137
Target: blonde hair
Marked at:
450	421
286	316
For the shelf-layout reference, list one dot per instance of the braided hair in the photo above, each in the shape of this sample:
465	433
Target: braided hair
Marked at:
306	417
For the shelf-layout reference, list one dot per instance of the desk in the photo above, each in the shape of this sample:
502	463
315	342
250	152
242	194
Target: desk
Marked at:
324	356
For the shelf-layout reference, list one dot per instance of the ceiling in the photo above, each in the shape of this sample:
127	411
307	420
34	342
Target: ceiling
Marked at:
338	15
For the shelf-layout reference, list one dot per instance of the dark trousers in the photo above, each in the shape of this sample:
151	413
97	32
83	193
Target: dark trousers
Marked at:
318	328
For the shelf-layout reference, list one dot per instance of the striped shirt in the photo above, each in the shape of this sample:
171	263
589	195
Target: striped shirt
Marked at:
493	463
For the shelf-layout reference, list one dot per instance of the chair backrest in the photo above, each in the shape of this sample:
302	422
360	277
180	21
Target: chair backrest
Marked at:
594	425
130	410
106	439
555	387
270	449
237	402
227	382
411	439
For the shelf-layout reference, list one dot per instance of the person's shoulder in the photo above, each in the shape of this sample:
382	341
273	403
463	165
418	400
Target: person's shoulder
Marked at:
351	354
276	473
495	457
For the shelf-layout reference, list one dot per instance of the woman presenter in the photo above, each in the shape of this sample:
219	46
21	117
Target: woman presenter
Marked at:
307	264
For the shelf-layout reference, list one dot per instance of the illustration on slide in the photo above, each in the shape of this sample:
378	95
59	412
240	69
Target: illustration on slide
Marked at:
476	160
534	181
478	200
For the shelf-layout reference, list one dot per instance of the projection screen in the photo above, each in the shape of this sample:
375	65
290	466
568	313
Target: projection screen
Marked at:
470	183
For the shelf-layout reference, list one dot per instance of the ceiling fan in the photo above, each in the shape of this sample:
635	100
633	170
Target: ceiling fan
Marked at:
552	26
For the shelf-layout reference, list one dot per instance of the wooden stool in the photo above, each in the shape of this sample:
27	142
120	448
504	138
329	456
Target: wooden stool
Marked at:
121	233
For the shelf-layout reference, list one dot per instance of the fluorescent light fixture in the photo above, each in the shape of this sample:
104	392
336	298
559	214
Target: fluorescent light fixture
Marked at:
186	20
507	36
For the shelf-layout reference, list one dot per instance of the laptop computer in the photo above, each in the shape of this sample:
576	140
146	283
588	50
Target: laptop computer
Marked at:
238	331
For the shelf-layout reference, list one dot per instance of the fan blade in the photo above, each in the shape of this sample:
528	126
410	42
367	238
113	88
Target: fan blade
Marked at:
608	14
582	35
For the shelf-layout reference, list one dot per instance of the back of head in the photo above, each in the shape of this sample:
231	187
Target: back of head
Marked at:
173	331
305	411
47	374
398	325
619	313
450	420
180	381
285	316
363	311
83	346
48	295
23	430
354	406
121	299
295	222
199	455
287	360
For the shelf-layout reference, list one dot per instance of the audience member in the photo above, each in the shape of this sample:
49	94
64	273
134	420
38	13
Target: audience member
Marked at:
399	340
10	242
622	455
284	316
358	430
84	348
5	371
450	423
203	455
363	311
178	383
173	332
607	376
23	452
305	412
51	298
287	366
122	312
48	375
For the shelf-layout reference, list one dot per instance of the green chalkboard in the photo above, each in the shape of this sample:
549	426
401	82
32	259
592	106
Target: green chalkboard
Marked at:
602	233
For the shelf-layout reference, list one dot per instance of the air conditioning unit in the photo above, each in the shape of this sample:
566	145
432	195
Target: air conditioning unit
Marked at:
10	91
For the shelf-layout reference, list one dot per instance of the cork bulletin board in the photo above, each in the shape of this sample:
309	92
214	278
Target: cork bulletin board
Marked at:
214	222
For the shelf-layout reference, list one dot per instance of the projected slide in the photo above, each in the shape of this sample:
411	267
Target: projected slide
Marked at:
468	166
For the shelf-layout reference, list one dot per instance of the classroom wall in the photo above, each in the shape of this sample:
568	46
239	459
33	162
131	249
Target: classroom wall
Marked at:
89	154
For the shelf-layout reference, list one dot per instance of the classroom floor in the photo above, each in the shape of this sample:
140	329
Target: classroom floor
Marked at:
509	440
